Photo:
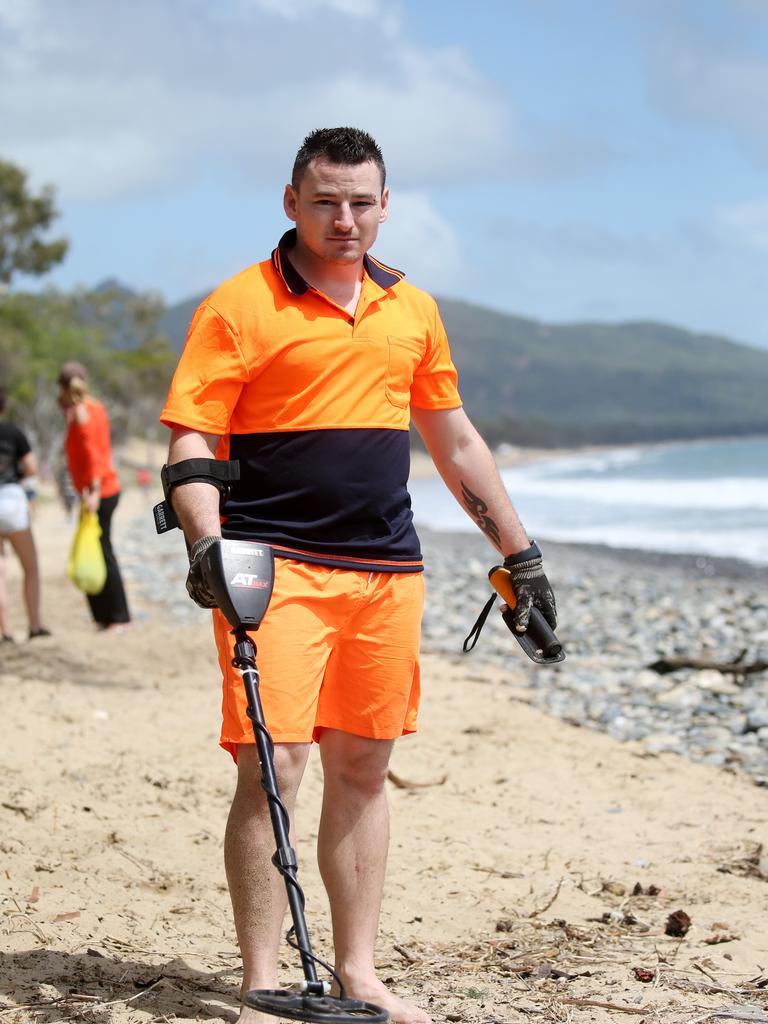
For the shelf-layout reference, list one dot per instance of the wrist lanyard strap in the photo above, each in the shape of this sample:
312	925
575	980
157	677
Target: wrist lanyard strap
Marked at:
474	633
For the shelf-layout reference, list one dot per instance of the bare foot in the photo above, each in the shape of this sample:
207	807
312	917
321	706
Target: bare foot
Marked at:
250	1016
375	991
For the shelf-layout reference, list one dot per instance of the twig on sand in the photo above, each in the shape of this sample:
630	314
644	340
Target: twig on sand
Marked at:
720	985
550	901
98	1007
605	1006
737	667
402	783
406	954
33	1006
754	1014
495	871
139	863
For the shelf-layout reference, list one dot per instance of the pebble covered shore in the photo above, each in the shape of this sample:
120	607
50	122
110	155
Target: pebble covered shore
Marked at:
618	613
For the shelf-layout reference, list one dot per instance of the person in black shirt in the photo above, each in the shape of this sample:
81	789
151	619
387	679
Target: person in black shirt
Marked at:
17	464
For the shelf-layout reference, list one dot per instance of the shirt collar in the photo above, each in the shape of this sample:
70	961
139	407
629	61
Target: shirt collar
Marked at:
383	275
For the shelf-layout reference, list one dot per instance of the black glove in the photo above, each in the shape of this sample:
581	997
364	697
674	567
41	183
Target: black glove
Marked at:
197	586
531	587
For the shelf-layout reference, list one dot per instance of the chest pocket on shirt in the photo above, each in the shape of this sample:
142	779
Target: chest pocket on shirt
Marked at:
405	354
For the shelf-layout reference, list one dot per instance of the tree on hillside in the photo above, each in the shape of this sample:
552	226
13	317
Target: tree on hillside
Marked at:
24	220
37	334
114	333
139	358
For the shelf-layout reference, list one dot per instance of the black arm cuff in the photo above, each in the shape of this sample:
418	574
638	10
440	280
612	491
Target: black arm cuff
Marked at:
216	472
534	551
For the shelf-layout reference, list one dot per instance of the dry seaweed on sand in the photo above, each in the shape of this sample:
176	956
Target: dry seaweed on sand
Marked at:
549	969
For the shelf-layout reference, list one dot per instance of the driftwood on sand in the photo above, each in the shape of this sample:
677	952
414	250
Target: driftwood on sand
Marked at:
737	667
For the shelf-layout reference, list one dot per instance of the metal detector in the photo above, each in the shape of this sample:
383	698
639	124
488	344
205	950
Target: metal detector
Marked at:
240	575
538	641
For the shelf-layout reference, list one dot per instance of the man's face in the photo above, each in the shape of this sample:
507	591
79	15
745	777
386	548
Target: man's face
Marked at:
337	209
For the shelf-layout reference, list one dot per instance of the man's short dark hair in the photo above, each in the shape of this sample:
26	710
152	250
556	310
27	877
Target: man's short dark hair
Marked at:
344	146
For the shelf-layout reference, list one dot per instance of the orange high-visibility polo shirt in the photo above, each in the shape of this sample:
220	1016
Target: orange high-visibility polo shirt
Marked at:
315	405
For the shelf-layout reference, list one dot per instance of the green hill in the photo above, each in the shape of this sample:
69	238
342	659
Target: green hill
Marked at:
534	383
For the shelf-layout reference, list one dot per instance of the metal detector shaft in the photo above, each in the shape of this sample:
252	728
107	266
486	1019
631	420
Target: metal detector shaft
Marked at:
285	856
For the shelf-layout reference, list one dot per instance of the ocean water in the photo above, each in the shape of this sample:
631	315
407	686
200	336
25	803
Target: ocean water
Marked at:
703	497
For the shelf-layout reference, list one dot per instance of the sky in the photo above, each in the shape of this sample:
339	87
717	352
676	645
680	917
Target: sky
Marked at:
549	158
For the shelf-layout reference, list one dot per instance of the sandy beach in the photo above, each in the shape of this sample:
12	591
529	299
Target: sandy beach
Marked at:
536	867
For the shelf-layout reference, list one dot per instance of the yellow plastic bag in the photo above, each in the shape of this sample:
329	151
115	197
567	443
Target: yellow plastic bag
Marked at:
86	566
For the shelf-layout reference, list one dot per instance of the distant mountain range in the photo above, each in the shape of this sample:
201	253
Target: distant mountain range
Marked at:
532	383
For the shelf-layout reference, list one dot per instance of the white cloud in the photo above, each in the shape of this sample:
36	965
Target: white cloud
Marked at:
419	241
105	99
17	14
296	9
715	84
745	223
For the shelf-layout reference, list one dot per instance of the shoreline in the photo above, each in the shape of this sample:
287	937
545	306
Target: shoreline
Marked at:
660	532
699	565
508	455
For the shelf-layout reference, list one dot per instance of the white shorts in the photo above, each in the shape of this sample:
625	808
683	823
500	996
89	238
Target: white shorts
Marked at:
14	509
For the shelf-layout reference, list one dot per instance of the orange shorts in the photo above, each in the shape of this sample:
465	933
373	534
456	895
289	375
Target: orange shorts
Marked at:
337	649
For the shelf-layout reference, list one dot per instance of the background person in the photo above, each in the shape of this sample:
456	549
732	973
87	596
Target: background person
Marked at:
307	369
18	471
89	459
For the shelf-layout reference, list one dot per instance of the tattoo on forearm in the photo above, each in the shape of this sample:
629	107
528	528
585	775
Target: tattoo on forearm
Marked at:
478	510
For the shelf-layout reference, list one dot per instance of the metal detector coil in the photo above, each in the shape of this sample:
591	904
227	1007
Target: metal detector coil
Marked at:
303	1006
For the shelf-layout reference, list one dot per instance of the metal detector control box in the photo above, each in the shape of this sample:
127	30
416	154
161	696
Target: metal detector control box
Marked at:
241	575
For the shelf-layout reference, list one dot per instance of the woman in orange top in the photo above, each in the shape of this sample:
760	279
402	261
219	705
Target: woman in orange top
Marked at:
89	458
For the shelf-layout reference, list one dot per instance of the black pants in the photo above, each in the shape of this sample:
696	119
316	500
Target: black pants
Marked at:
111	605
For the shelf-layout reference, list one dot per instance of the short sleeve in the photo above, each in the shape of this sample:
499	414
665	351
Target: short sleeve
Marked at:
22	444
209	377
435	382
13	447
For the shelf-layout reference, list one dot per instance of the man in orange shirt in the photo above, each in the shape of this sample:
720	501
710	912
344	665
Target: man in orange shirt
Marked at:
307	369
